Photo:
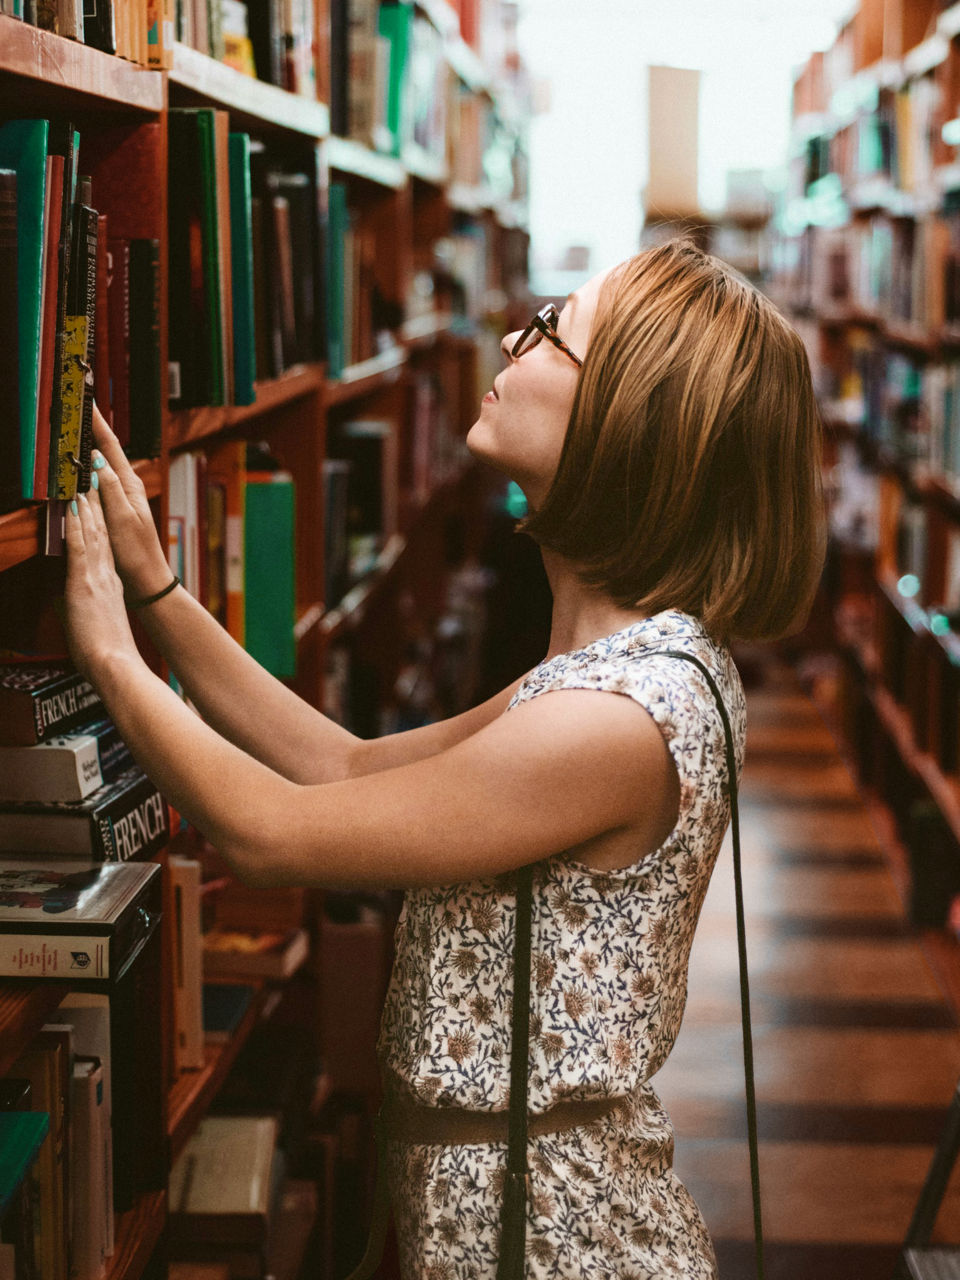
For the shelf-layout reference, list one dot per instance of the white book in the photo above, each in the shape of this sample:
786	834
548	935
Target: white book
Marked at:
89	1014
86	1170
65	768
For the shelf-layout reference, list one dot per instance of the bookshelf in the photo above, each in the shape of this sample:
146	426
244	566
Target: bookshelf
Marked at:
866	264
422	372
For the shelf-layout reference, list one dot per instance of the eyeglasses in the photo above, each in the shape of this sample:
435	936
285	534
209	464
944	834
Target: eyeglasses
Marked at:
543	325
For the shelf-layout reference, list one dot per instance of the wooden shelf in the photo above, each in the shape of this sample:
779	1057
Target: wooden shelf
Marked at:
467	199
24	1008
255	100
419	163
190	1097
53	62
190	425
347	156
360	379
21	531
137	1234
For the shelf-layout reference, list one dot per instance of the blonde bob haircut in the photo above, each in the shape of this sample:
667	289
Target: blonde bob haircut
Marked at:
689	476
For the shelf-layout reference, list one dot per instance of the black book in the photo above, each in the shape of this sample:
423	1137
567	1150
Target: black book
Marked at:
266	28
340	67
123	821
146	385
38	703
99	27
10	457
82	301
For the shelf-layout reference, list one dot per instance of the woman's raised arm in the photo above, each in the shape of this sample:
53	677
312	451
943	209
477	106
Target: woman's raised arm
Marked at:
234	694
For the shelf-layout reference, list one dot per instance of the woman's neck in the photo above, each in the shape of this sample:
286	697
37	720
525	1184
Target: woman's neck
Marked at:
580	614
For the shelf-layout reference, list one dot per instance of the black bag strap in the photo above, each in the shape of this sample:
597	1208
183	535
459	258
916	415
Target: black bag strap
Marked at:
513	1210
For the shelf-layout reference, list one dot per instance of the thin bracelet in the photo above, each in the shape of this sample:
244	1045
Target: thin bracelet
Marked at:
139	604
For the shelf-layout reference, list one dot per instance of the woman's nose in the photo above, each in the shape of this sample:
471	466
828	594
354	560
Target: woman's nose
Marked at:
507	344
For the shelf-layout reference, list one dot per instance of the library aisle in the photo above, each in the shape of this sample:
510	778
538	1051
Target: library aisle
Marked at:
856	1050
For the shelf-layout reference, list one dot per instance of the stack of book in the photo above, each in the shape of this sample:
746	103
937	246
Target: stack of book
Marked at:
79	301
68	784
95	929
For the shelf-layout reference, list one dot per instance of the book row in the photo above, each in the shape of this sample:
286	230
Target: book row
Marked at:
79	310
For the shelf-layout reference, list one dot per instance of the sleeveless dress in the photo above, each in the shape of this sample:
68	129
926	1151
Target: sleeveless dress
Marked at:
609	956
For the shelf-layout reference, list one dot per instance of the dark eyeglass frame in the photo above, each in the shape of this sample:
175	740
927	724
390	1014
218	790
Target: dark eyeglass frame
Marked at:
543	325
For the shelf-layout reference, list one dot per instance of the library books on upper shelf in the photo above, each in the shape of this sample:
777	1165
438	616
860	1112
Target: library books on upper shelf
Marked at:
289	329
868	266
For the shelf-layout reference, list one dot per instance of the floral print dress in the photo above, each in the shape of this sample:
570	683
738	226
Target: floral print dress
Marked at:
609	954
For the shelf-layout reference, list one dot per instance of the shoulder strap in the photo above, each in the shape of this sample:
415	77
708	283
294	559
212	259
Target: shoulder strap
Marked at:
513	1213
742	946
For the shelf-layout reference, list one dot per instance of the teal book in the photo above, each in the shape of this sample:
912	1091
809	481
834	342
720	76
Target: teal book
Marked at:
395	23
21	1137
338	222
23	148
241	264
270	572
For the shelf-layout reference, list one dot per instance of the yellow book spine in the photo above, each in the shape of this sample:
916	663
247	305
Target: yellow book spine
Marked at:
71	387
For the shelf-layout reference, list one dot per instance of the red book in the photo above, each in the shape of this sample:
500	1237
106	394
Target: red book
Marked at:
52	214
118	320
101	355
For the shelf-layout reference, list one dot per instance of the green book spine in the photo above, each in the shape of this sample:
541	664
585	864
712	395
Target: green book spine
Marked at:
270	572
21	1137
395	20
23	148
241	263
337	225
146	383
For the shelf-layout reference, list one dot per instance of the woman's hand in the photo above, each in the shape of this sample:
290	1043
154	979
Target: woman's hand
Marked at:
138	555
97	626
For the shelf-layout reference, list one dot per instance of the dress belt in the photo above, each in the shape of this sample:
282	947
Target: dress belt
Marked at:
405	1120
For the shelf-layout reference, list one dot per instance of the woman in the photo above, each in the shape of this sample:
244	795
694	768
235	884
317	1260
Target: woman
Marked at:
664	430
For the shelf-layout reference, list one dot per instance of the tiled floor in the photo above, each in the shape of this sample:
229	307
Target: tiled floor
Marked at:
857	1053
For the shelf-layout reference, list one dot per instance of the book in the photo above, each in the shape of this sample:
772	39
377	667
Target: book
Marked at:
221	165
185	874
145	388
22	1134
52	214
10	442
59	920
226	472
336	548
66	768
99	25
270	572
224	1005
23	149
42	1063
241	248
89	1179
76	381
123	821
222	1184
229	953
118	307
64	141
337	227
39	702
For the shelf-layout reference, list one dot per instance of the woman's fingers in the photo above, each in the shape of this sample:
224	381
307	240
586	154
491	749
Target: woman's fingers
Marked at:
74	533
109	486
112	450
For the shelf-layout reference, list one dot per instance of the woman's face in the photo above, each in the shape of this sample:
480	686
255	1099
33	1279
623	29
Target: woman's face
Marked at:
523	420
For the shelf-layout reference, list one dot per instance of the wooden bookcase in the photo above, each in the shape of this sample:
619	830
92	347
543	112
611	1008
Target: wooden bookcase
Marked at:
867	270
406	205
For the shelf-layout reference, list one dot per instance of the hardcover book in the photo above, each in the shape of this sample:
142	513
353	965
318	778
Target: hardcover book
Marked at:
10	445
222	1184
52	214
228	953
125	820
270	572
60	920
66	768
38	703
145	388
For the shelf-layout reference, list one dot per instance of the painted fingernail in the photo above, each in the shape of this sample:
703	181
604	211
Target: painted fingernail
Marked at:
98	462
73	507
94	480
